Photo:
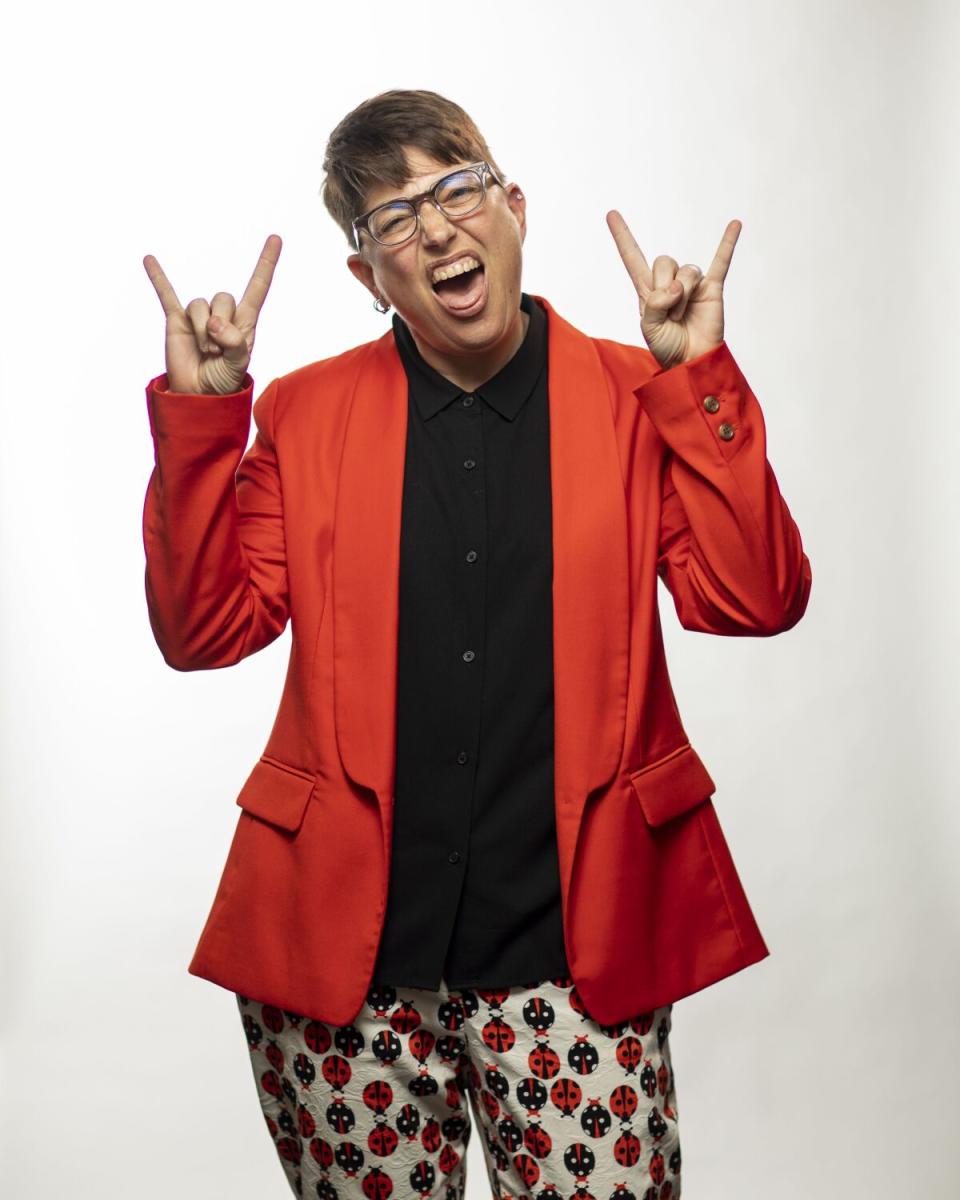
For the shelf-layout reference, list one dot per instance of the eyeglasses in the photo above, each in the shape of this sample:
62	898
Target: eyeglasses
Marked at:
456	195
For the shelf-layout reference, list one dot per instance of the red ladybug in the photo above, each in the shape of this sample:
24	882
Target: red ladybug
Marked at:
321	1152
544	1062
306	1125
316	1035
337	1072
629	1054
623	1102
626	1149
405	1018
430	1138
421	1042
537	1140
498	1036
527	1168
272	1017
378	1096
382	1139
656	1167
566	1096
377	1184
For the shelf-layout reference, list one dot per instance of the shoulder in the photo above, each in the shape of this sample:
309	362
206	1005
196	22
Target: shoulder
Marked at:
325	384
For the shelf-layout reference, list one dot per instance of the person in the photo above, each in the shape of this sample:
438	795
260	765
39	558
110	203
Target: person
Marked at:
478	860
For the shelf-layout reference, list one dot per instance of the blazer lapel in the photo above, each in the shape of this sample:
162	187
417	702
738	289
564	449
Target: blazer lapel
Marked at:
590	575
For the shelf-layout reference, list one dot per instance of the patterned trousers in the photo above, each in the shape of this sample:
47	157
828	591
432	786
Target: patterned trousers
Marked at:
380	1109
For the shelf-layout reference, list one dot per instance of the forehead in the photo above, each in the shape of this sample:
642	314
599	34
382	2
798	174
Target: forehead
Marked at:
423	170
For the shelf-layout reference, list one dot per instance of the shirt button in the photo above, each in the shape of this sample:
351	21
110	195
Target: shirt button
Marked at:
711	404
726	431
453	856
467	401
469	463
468	655
471	556
462	757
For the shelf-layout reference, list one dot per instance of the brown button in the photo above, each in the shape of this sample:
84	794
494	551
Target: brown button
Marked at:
711	404
726	431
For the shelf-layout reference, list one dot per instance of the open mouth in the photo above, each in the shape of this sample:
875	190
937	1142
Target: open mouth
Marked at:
463	294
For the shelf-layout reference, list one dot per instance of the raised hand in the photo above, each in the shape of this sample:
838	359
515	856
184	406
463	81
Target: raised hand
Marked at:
681	311
208	346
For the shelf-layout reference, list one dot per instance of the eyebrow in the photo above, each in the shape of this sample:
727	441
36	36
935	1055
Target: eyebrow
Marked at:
443	174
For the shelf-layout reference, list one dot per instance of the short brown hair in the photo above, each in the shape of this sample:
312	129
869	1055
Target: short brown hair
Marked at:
366	148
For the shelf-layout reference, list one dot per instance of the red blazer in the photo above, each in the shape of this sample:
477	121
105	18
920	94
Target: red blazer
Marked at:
654	474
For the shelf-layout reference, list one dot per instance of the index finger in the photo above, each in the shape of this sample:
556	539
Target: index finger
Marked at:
721	260
162	285
633	258
256	290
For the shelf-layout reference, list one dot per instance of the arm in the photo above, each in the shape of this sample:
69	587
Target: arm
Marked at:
729	551
216	578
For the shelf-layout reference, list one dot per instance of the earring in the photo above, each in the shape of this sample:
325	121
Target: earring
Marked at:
377	305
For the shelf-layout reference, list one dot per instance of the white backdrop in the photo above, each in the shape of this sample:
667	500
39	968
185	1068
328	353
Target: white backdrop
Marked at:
191	132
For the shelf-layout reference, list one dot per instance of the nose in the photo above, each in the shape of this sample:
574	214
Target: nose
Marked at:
435	226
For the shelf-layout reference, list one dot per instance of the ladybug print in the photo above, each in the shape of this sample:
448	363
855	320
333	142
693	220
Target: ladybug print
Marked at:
349	1158
626	1149
383	1107
387	1046
595	1119
543	1062
583	1055
336	1072
538	1014
316	1037
304	1069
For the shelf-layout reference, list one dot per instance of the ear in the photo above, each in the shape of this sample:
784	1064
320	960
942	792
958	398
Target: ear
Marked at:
363	271
518	206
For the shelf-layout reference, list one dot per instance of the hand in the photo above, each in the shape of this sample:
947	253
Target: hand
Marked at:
208	346
681	311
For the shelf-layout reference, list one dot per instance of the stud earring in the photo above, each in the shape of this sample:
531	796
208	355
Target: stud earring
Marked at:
378	303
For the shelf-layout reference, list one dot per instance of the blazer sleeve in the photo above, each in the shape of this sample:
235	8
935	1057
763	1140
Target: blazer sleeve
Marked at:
729	551
213	535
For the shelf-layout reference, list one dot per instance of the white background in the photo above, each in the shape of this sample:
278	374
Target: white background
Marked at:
191	132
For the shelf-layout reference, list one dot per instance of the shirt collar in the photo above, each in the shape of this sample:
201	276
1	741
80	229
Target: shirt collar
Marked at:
506	392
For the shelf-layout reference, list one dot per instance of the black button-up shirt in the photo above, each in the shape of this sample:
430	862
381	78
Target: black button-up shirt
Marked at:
474	878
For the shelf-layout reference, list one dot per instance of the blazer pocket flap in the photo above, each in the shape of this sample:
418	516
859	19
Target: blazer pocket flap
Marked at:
277	793
672	785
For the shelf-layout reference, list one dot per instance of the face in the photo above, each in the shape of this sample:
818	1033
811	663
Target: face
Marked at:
494	234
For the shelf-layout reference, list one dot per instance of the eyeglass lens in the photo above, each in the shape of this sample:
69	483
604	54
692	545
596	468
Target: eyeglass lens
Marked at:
457	195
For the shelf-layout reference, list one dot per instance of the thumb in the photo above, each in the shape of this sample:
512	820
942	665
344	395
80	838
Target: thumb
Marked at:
229	338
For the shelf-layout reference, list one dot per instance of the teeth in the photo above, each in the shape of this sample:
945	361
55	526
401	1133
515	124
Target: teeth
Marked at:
458	268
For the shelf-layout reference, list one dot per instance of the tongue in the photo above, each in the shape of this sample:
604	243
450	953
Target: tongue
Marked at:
462	290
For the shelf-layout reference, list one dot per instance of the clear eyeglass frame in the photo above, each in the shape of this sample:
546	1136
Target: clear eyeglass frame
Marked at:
480	169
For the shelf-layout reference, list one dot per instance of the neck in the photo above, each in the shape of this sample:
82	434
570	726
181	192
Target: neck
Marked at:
470	371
